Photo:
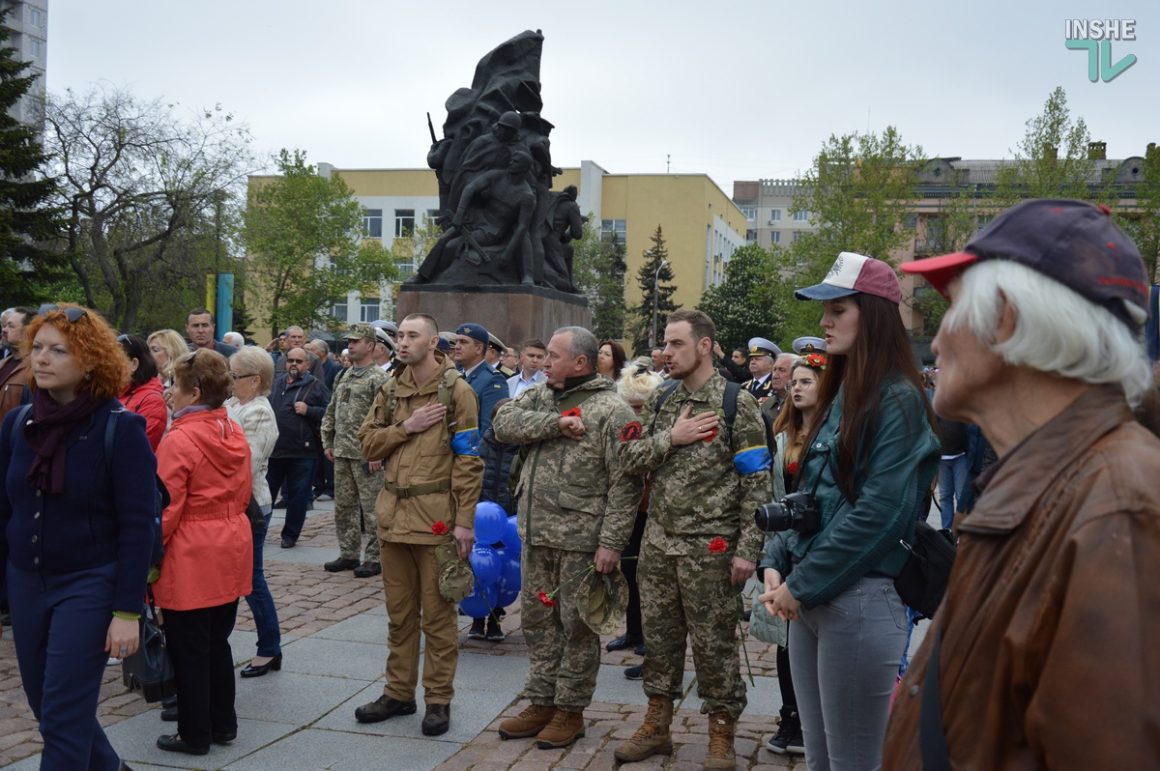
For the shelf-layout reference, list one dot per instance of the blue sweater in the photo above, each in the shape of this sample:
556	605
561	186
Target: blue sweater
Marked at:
105	513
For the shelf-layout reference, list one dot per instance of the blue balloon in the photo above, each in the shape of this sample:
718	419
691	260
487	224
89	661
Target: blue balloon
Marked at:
509	583
511	537
490	520
485	563
482	601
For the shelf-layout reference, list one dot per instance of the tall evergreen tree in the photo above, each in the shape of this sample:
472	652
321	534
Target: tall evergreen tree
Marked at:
654	278
27	220
742	305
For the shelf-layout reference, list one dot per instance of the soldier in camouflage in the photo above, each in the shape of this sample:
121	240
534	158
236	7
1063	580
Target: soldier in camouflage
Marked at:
357	482
576	509
700	544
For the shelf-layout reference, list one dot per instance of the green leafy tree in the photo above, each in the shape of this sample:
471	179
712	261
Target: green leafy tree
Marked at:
598	269
28	219
654	278
303	239
1051	160
948	230
1143	225
742	305
149	200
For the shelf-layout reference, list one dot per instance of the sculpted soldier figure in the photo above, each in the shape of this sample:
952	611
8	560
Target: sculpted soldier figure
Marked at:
424	425
356	481
576	508
700	544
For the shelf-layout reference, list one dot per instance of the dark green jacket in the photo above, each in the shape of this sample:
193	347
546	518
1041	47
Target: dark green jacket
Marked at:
862	536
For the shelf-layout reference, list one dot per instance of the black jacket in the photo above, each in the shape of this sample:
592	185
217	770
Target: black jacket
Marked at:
497	460
298	434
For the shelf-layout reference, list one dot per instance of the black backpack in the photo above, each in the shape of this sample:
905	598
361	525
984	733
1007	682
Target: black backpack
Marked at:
160	494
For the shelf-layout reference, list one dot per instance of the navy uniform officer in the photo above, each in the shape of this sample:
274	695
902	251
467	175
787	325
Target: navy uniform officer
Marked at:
471	341
761	356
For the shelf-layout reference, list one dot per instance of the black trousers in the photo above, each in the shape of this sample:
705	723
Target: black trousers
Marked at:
628	567
199	646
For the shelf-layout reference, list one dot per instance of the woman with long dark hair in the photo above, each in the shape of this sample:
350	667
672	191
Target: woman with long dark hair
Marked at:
76	529
868	463
610	358
144	393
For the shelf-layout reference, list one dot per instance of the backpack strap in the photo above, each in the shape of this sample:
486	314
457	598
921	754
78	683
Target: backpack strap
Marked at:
110	435
729	406
663	393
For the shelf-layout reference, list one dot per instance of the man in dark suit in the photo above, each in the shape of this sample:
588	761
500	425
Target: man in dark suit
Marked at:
471	340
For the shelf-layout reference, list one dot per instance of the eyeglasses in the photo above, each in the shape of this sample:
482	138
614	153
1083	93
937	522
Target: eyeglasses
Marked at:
296	361
72	313
236	376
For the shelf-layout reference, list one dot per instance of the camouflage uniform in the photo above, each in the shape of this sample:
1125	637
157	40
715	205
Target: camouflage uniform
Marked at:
699	491
573	496
355	488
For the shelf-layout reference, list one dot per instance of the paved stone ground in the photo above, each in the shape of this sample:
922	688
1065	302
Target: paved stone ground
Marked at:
313	604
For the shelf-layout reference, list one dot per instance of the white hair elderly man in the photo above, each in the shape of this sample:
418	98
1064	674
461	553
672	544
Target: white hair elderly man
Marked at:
1045	652
234	338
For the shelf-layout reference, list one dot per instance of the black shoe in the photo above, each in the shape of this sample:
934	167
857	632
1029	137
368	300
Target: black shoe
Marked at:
477	630
383	708
174	743
289	543
622	643
169	714
634	673
340	564
169	702
639	649
789	730
494	633
437	719
257	671
368	569
281	504
224	737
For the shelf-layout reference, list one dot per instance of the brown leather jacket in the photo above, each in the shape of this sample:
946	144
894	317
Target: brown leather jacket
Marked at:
1051	624
13	380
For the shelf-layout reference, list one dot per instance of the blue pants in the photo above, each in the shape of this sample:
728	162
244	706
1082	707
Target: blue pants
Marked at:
844	655
59	622
296	474
952	479
261	602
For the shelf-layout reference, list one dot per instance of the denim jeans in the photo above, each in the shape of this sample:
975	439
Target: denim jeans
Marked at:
296	475
59	622
952	479
260	600
844	655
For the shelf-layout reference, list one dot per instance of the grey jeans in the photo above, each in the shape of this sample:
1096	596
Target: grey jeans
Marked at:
844	657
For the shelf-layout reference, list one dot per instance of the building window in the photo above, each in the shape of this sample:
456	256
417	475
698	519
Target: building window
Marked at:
615	231
339	311
404	223
750	212
775	215
775	236
751	236
373	223
406	267
368	310
432	215
36	17
36	47
797	234
801	216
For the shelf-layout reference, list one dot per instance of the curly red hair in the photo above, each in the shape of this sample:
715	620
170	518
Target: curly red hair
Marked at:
92	342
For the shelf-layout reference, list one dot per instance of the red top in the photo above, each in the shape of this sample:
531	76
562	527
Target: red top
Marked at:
148	401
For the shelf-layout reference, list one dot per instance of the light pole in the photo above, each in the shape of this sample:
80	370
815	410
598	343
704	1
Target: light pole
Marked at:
652	335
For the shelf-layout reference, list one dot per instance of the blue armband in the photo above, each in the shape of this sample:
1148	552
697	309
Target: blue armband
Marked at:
751	460
466	442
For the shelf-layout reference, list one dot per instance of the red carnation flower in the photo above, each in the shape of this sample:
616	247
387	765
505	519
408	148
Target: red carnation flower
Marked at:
711	435
792	468
572	413
546	599
440	528
718	545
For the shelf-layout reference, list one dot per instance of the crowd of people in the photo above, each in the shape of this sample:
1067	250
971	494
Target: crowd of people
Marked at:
689	471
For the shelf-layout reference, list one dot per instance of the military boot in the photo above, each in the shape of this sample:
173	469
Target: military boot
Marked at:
528	723
565	728
721	753
653	737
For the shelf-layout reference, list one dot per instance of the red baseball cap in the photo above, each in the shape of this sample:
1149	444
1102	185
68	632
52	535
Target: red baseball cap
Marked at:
852	274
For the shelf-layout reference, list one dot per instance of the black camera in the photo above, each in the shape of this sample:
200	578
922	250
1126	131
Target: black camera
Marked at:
796	511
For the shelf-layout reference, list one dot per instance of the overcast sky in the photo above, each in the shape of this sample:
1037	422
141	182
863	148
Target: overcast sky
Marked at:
738	89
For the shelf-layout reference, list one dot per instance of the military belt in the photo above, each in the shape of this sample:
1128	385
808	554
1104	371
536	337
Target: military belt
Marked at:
423	488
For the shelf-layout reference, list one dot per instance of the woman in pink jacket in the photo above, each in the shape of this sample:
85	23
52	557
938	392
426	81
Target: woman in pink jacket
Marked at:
144	394
204	461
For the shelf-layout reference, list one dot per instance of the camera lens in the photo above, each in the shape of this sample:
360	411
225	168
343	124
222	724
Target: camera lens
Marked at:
772	517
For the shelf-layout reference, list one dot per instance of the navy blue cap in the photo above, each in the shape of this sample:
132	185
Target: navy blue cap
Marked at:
475	332
1073	242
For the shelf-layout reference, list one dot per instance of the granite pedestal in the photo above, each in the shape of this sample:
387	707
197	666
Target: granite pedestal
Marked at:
513	313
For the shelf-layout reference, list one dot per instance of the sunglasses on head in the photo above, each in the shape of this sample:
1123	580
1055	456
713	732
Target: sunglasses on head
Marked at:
72	313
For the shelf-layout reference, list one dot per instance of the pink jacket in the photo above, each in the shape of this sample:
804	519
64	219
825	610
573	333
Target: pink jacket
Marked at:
148	401
204	462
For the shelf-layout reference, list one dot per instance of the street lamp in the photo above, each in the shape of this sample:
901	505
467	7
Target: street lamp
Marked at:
652	335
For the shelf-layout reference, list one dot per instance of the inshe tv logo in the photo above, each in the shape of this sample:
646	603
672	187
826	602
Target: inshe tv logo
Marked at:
1095	36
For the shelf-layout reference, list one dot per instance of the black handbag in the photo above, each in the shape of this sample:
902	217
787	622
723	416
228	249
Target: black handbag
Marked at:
149	669
256	517
923	580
